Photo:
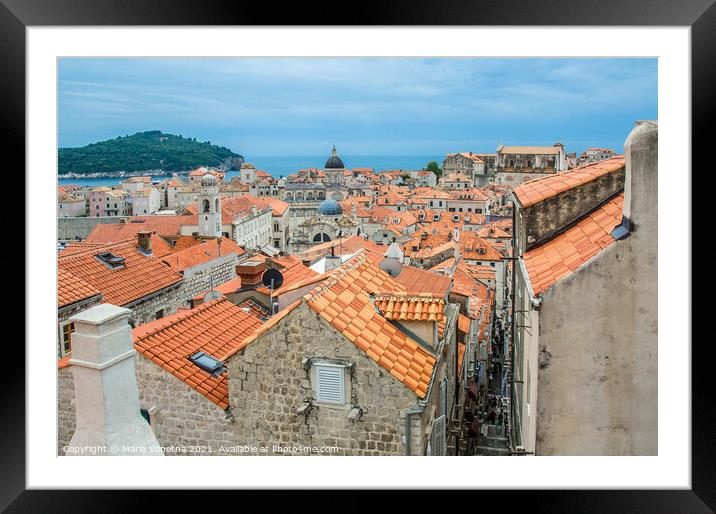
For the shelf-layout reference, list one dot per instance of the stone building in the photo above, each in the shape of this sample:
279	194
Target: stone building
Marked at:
340	371
145	201
128	275
585	307
334	169
105	417
519	164
245	219
592	155
280	224
328	223
73	295
105	201
70	206
464	163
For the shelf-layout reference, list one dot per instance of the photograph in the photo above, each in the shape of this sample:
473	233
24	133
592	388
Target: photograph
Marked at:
357	256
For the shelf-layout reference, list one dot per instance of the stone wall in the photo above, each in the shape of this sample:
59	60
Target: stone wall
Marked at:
168	300
65	408
179	414
197	280
269	391
265	393
544	219
80	227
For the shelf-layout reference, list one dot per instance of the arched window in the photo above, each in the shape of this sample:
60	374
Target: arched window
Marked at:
217	205
207	205
321	238
309	195
321	195
289	197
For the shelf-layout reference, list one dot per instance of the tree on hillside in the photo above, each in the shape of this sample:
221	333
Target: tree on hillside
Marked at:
435	168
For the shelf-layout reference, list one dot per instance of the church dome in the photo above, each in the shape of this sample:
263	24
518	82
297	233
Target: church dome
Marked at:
334	162
329	207
208	180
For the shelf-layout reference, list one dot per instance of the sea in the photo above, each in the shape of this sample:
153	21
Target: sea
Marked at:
284	165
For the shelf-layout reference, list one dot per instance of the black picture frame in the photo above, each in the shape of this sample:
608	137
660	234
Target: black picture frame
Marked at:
700	15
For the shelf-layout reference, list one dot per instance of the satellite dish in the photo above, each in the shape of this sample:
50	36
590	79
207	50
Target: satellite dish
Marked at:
272	275
391	266
212	295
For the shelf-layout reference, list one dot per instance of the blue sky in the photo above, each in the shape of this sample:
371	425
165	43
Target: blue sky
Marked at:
374	106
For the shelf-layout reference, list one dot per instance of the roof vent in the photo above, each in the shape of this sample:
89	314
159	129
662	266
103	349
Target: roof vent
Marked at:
208	363
111	260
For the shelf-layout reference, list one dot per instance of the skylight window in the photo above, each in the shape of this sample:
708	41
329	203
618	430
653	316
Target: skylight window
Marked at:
208	363
111	260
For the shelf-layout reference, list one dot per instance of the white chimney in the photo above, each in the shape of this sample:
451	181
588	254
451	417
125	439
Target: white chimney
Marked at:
106	395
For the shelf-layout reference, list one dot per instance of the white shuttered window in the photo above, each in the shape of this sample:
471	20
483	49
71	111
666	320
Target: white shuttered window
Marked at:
438	444
330	383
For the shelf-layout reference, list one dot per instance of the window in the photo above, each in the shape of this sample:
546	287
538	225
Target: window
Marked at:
329	383
438	444
66	338
159	314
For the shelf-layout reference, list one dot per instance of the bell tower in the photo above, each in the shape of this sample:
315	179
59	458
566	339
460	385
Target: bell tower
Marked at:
209	204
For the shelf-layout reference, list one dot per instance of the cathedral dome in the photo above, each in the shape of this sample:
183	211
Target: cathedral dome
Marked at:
334	162
208	180
329	207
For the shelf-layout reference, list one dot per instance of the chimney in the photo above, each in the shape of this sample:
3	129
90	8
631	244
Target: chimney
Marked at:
144	241
251	274
106	395
332	262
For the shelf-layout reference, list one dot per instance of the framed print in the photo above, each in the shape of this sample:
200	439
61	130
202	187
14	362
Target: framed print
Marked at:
429	233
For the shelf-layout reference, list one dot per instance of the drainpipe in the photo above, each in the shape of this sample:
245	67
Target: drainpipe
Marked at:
408	417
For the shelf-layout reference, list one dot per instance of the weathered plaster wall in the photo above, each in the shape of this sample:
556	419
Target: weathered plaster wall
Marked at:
598	335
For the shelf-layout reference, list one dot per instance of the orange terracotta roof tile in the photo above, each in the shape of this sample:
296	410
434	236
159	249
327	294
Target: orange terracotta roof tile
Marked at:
167	226
350	287
542	150
563	254
217	328
461	347
201	253
410	307
71	289
346	245
240	207
416	280
278	207
293	275
538	190
228	287
139	275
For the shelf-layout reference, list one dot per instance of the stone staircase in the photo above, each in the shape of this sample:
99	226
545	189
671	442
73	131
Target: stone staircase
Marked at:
494	444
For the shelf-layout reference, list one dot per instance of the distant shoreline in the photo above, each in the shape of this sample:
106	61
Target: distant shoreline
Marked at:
122	174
